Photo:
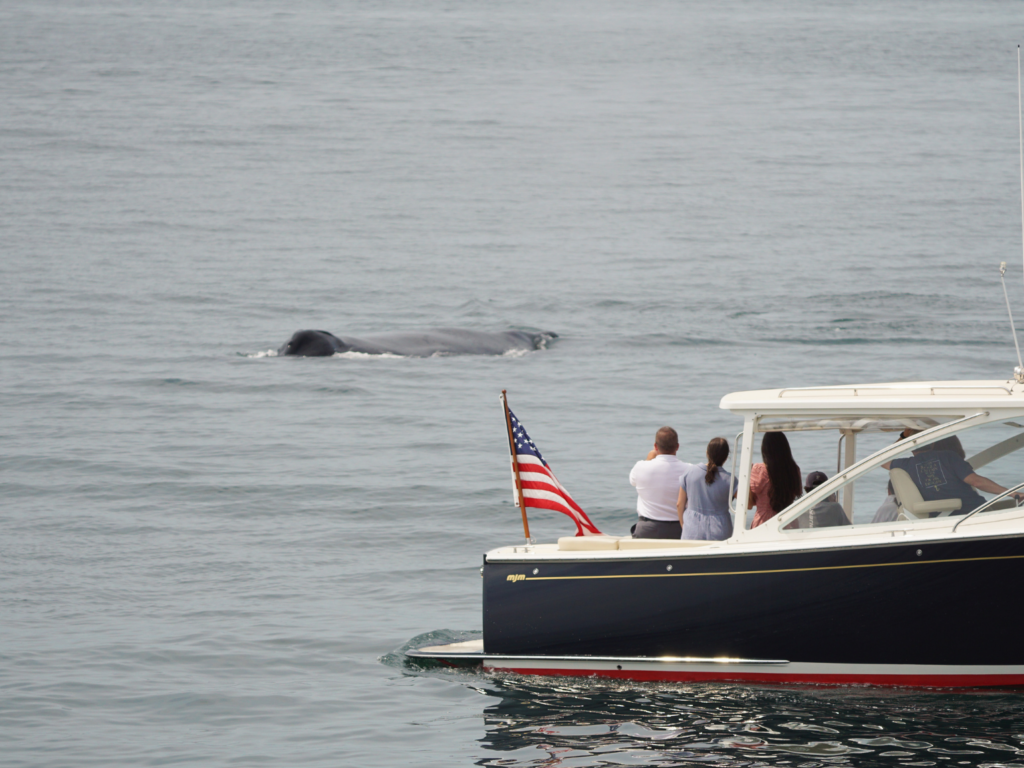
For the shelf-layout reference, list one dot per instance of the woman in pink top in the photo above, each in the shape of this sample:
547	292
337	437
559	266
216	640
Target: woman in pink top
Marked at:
776	483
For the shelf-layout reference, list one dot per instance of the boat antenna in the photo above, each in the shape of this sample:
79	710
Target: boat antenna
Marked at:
1018	372
1020	134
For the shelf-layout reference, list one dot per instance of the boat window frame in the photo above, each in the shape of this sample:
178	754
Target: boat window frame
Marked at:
803	503
733	481
1012	445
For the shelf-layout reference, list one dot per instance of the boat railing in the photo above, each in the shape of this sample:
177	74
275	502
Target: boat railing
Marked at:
988	504
914	391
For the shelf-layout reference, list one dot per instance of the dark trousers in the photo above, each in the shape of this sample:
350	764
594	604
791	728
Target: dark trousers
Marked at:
657	529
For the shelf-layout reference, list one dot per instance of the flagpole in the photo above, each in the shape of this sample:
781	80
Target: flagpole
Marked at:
515	466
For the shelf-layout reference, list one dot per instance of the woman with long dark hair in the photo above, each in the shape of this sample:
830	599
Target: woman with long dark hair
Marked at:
775	483
703	503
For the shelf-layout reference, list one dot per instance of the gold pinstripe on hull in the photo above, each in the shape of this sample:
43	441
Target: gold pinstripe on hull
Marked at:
775	570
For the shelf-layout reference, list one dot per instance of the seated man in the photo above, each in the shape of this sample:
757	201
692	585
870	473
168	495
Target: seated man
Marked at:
656	480
890	509
826	512
940	473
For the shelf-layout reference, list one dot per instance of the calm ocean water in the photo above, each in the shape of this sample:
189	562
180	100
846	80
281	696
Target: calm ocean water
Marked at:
212	556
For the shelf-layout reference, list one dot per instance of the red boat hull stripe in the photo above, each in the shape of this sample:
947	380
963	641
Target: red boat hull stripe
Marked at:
910	680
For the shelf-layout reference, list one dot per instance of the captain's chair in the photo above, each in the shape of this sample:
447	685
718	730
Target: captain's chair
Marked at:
912	504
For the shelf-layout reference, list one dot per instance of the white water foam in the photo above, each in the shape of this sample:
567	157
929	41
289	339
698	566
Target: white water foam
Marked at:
368	356
268	353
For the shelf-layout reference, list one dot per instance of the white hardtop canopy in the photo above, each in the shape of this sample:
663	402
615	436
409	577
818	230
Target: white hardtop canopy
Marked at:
866	407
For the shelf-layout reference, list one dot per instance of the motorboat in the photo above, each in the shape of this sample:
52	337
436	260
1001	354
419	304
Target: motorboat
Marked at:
923	592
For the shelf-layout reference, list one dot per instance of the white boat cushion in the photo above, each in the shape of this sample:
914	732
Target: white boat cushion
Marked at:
661	543
911	501
587	543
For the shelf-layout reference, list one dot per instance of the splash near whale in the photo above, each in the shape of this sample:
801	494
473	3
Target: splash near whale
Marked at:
435	341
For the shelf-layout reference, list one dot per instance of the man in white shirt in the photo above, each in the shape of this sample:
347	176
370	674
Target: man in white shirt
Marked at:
656	480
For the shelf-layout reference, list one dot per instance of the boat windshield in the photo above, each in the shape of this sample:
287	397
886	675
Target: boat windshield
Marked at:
948	476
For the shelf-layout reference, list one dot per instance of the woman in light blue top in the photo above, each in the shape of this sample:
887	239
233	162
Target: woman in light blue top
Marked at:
703	503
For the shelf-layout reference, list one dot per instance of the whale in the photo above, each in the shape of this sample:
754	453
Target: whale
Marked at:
434	341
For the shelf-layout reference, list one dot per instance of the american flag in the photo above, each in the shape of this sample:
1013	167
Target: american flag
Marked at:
541	489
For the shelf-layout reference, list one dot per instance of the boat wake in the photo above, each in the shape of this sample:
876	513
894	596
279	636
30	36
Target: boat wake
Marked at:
398	659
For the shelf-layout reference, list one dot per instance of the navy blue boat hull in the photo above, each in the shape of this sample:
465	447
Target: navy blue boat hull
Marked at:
950	603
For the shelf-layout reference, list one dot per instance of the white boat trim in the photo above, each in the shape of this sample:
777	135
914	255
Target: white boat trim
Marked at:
686	669
922	532
475	649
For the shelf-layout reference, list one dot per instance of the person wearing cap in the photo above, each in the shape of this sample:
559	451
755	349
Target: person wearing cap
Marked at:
828	511
656	480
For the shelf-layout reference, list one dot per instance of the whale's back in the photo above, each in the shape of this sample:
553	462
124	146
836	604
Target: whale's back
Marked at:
312	344
451	341
425	343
